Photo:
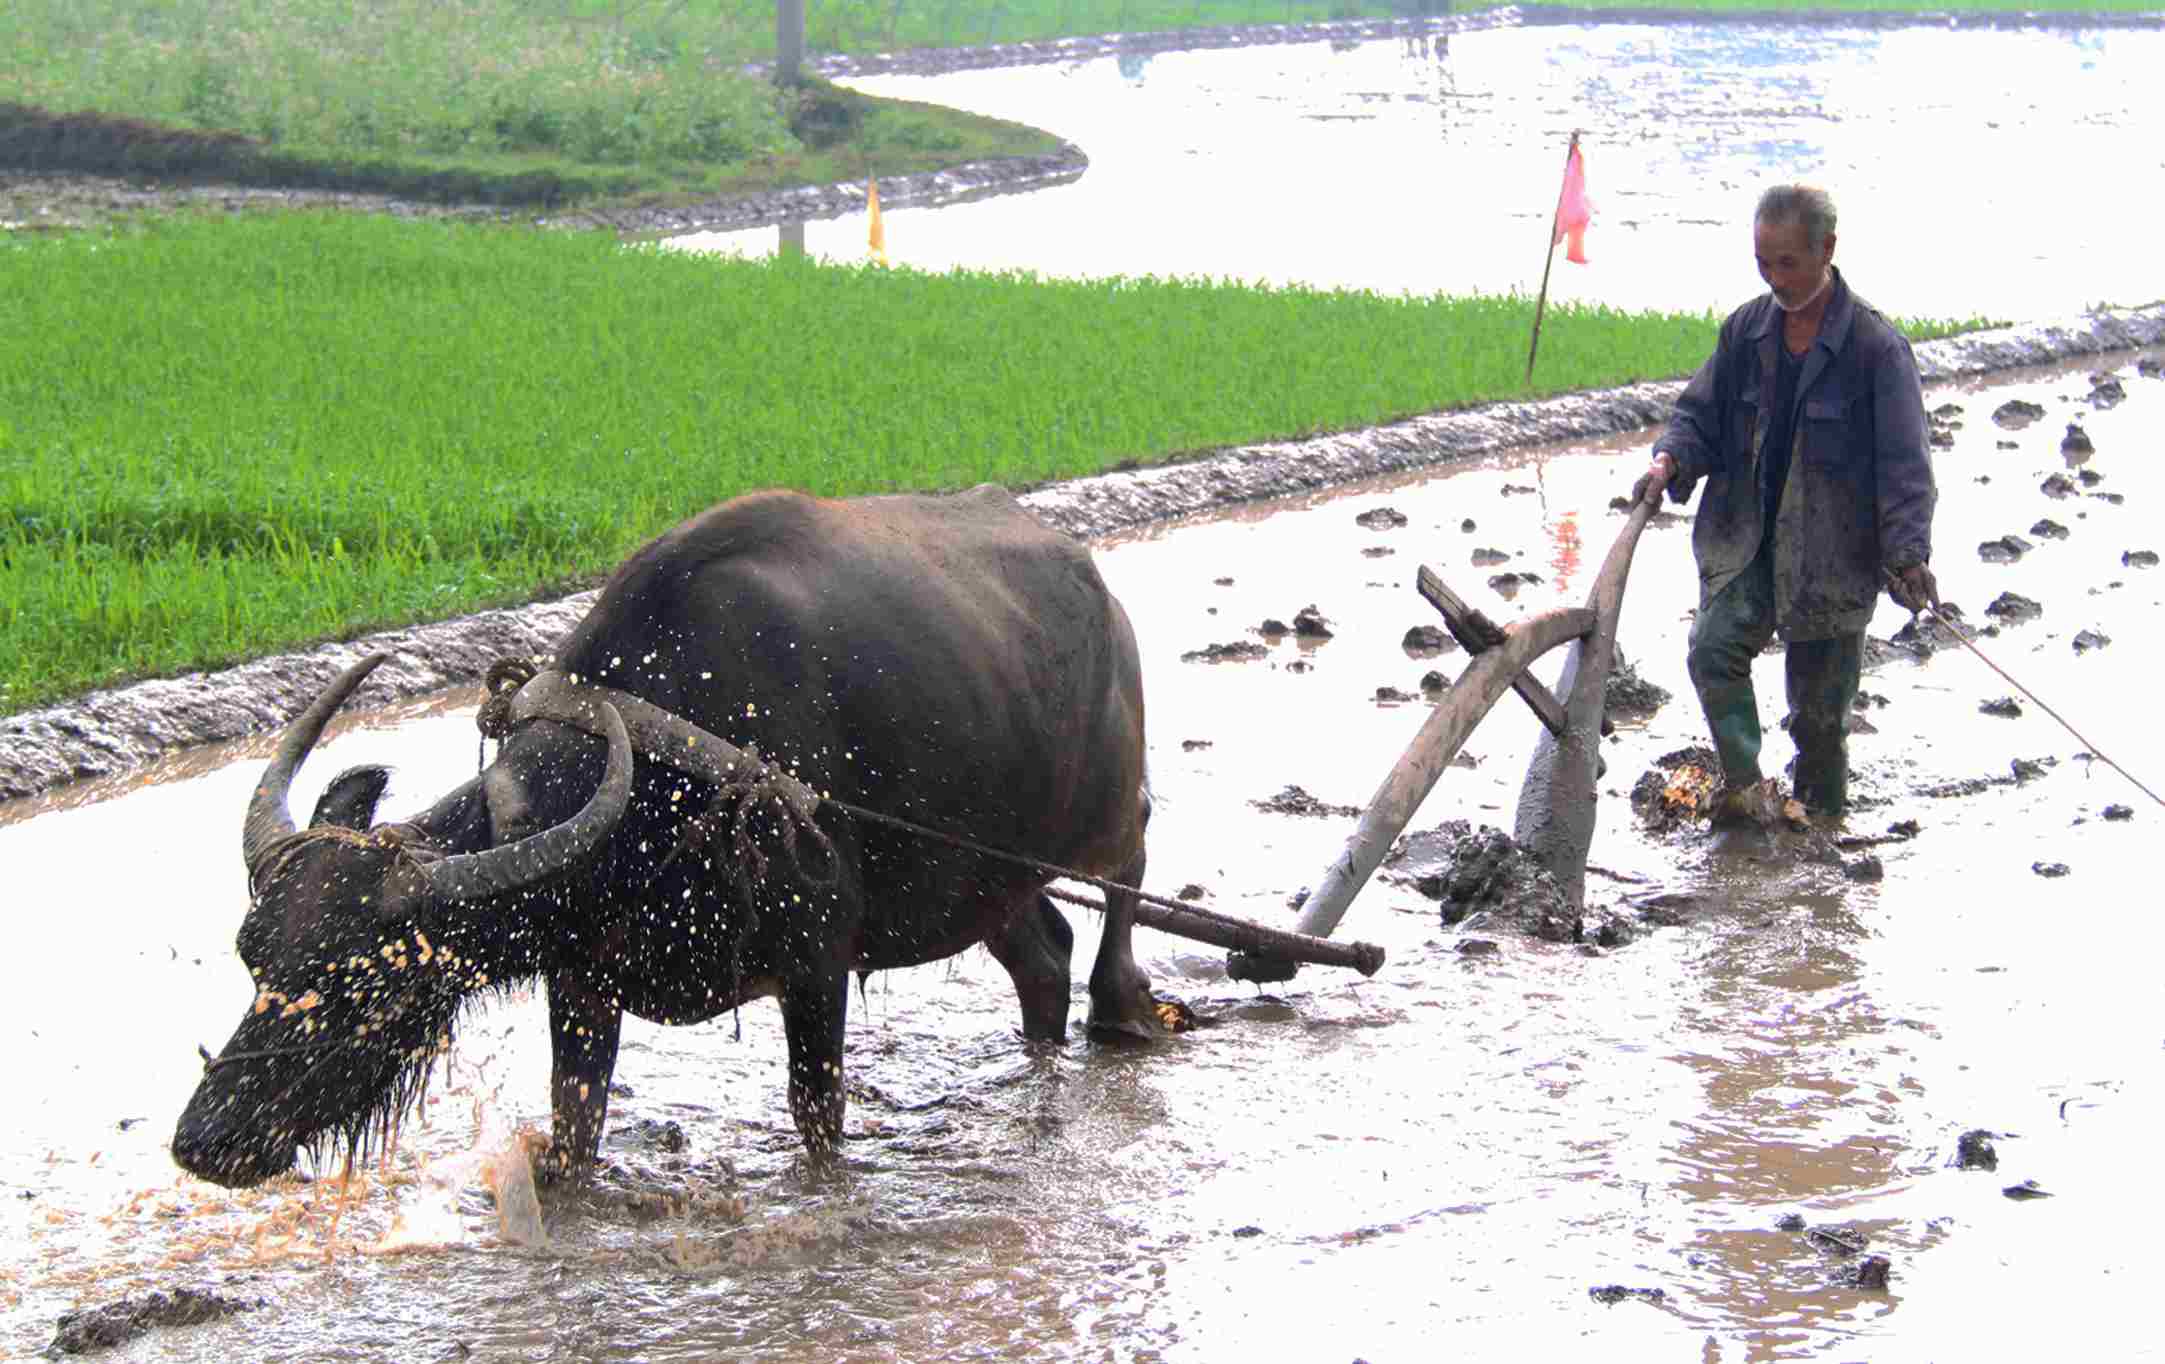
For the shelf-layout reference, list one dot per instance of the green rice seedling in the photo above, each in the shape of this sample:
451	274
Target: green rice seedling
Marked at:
227	436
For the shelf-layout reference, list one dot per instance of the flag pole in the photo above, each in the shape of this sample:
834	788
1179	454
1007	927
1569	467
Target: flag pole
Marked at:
1541	304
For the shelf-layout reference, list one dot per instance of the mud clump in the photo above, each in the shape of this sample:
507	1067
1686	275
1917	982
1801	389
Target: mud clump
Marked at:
2014	608
1973	1151
1295	801
2139	558
1239	651
116	1323
2016	414
1483	871
2106	391
2086	640
1426	641
2050	870
1381	518
2005	707
2076	441
1309	623
1485	557
1926	633
2117	812
1509	583
1631	696
2049	529
1611	1294
2004	550
1391	696
1873	1271
2057	485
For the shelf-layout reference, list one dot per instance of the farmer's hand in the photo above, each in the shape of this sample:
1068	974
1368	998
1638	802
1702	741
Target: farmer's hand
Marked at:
1656	478
1912	586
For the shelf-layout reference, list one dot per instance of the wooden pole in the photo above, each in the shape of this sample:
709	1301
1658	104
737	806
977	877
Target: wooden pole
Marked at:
788	41
1548	263
1223	930
1409	783
1558	801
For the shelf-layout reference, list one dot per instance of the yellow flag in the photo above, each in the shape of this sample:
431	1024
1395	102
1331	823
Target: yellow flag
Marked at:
879	229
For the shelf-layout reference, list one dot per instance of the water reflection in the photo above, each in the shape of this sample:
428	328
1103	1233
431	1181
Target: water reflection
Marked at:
1439	157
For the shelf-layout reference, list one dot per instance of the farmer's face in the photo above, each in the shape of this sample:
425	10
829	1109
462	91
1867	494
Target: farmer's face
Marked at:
1792	269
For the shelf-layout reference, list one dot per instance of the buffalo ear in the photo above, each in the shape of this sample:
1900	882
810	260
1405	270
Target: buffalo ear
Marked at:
350	799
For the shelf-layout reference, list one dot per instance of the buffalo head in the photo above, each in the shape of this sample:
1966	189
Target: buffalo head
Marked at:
360	942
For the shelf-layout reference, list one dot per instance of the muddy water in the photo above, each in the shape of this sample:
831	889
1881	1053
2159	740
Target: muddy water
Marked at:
1426	166
1453	1152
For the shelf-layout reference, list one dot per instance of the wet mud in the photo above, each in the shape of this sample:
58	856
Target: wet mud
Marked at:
97	1329
1517	1120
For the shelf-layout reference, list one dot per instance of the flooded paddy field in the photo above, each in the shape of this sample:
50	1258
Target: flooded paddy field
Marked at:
1455	1154
1432	164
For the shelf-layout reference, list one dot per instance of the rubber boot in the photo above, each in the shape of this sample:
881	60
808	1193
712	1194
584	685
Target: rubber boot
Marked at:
1822	676
1726	636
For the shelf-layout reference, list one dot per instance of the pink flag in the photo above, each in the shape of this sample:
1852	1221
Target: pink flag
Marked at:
1573	209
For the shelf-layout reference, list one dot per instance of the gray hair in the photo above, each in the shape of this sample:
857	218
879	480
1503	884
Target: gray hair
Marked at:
1806	204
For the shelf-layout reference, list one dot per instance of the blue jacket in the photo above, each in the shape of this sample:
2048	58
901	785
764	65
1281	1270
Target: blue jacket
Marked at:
1859	495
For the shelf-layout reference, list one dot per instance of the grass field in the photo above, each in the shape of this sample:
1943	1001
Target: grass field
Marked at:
219	437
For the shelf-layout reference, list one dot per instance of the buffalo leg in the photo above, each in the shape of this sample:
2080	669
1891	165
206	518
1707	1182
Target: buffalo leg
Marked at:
1120	998
813	1012
1035	948
583	1031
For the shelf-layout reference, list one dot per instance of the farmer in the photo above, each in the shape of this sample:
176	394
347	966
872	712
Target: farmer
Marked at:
1808	425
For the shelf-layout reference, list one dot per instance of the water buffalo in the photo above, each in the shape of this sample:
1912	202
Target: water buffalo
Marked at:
636	844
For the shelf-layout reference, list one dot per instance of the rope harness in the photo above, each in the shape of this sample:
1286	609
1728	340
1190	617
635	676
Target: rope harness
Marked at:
747	786
754	784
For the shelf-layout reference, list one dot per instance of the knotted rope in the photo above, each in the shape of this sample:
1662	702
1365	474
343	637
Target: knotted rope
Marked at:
401	841
761	789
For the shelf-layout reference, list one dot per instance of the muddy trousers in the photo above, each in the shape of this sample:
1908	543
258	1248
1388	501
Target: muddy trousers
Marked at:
1821	674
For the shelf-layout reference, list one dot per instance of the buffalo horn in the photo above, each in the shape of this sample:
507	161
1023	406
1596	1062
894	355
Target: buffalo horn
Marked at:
268	819
497	871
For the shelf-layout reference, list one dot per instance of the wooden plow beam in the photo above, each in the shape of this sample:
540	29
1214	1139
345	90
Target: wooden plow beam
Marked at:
1500	659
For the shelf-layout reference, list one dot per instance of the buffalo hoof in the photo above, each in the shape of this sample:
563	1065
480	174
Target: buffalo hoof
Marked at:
1129	1029
1120	998
1139	1018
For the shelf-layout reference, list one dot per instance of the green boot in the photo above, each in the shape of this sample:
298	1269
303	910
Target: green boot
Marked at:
1822	675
